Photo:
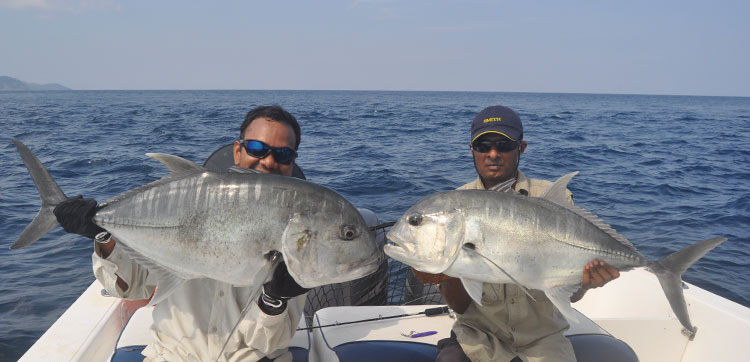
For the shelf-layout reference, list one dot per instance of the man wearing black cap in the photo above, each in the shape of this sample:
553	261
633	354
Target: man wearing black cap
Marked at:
508	323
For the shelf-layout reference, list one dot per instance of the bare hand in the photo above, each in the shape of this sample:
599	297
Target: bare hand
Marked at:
427	278
597	273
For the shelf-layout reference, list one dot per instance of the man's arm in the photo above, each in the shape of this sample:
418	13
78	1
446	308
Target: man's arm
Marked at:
75	215
104	250
267	334
281	288
455	295
276	313
595	274
451	289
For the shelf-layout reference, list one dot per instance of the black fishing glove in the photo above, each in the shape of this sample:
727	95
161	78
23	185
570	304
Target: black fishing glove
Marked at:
278	290
75	215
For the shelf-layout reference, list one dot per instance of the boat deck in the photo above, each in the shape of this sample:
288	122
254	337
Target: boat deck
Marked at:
631	308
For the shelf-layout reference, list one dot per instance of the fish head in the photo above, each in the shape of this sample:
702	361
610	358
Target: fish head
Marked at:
428	236
324	249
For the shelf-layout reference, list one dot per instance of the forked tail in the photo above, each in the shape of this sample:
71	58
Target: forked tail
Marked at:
669	272
49	192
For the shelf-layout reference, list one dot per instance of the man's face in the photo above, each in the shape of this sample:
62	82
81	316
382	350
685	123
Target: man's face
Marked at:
272	133
495	167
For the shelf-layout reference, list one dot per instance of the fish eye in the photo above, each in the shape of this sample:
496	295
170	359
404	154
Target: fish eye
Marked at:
348	232
414	219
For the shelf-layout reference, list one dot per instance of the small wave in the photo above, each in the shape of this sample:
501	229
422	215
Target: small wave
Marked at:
654	162
96	161
625	115
686	118
742	204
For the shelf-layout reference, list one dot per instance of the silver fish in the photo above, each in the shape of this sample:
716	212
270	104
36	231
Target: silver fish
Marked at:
539	243
194	223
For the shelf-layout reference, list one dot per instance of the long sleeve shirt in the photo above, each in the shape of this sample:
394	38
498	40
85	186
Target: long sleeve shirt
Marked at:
193	323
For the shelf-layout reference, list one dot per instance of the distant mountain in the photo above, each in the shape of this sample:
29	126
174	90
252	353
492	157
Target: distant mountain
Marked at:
13	84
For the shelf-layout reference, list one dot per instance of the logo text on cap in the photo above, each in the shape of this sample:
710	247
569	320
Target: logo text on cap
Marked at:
493	119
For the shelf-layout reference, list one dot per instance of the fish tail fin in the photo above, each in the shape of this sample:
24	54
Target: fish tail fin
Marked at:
669	272
49	192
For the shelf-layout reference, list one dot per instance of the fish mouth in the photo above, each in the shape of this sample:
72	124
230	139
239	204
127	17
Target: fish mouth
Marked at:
396	248
406	255
343	273
360	270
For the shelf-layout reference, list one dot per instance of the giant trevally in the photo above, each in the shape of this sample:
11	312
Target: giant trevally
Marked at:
194	223
540	243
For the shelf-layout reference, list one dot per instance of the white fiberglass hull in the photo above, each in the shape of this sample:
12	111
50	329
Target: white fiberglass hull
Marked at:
631	308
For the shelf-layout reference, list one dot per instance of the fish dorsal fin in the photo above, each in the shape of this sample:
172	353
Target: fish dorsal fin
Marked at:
176	164
178	167
557	194
603	226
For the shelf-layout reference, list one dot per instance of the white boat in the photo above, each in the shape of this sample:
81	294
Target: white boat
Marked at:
631	309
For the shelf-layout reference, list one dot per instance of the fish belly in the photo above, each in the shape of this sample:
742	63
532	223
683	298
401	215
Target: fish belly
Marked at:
197	228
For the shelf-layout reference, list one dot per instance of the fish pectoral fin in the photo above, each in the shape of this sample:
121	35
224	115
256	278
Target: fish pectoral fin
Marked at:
469	251
474	288
560	297
166	280
165	285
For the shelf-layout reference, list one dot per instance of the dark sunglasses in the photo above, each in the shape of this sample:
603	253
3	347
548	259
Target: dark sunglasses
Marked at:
501	146
258	149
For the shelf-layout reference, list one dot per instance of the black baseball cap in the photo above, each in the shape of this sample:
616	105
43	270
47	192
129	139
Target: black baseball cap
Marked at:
497	119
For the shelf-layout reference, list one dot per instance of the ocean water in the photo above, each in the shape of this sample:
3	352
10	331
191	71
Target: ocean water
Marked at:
665	171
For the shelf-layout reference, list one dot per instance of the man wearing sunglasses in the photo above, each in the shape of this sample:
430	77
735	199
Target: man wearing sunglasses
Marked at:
194	322
268	144
508	324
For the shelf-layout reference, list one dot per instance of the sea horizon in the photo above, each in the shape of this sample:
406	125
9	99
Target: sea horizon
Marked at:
381	90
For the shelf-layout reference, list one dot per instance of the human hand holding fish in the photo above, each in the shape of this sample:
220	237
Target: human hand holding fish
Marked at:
76	215
597	273
427	278
279	290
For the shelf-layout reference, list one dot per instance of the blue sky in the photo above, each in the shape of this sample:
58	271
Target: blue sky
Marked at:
643	47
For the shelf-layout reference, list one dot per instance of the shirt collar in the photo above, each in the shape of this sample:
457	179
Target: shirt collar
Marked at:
522	185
